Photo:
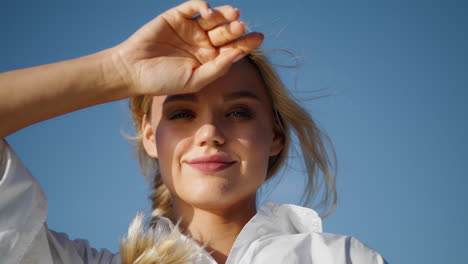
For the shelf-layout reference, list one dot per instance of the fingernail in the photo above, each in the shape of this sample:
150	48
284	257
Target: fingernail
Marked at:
210	11
238	58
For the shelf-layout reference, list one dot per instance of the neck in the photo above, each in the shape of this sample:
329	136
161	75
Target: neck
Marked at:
215	228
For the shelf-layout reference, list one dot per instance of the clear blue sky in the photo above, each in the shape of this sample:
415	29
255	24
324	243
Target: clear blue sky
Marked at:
398	74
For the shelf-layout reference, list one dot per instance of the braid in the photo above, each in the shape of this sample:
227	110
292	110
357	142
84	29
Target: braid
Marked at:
158	243
161	200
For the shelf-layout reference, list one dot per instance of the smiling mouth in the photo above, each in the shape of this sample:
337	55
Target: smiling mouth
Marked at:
210	167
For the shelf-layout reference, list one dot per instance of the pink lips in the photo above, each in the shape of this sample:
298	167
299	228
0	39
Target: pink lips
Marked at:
211	163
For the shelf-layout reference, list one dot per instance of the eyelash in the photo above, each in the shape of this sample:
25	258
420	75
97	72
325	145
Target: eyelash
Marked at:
181	114
241	112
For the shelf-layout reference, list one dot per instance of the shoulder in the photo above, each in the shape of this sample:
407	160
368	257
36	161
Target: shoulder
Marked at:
297	231
3	156
24	236
23	206
344	249
77	250
340	248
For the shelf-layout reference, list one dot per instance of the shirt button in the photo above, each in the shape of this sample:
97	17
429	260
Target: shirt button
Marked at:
261	231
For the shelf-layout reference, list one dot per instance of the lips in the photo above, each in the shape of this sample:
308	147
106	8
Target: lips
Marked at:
211	163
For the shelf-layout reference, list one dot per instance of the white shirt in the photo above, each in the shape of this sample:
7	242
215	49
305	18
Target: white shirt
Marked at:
276	234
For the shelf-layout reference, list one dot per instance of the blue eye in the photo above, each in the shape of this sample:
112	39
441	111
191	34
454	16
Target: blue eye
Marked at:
181	114
241	113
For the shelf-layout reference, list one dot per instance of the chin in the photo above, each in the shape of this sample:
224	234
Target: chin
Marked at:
216	198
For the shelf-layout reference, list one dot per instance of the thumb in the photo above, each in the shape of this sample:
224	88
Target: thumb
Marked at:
213	69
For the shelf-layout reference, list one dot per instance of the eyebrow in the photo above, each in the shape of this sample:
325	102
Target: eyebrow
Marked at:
180	97
193	98
241	94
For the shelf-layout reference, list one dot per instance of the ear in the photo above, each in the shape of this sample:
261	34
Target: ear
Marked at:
277	142
149	139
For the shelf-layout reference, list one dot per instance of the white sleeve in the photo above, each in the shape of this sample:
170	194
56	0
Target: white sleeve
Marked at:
24	236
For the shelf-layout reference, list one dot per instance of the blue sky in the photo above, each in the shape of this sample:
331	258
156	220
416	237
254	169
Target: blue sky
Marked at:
398	78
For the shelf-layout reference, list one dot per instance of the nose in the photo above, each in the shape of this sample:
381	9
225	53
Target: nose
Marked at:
209	134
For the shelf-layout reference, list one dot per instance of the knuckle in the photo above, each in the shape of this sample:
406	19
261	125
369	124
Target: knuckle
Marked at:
225	32
221	35
203	24
226	8
202	4
229	12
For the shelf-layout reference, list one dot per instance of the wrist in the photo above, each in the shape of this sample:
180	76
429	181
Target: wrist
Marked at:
114	75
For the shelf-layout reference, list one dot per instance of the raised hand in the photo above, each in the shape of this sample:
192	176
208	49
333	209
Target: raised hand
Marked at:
180	51
183	49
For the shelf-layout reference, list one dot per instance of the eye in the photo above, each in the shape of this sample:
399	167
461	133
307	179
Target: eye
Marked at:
241	112
181	114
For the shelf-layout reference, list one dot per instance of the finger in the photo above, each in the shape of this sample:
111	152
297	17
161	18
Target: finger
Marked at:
226	32
212	70
220	15
245	44
191	8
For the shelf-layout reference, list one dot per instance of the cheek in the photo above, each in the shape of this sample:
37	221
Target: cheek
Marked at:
254	143
170	144
255	147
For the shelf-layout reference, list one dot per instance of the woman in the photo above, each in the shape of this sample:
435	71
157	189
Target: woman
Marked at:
213	123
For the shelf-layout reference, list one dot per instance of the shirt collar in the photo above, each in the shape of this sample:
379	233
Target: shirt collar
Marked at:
275	220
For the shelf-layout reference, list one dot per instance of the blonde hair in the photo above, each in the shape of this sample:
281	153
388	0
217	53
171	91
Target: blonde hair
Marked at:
160	243
290	118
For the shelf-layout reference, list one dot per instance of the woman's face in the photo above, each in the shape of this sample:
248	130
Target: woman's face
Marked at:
213	146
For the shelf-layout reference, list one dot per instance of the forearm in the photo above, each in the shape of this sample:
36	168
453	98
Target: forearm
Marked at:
156	60
35	94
